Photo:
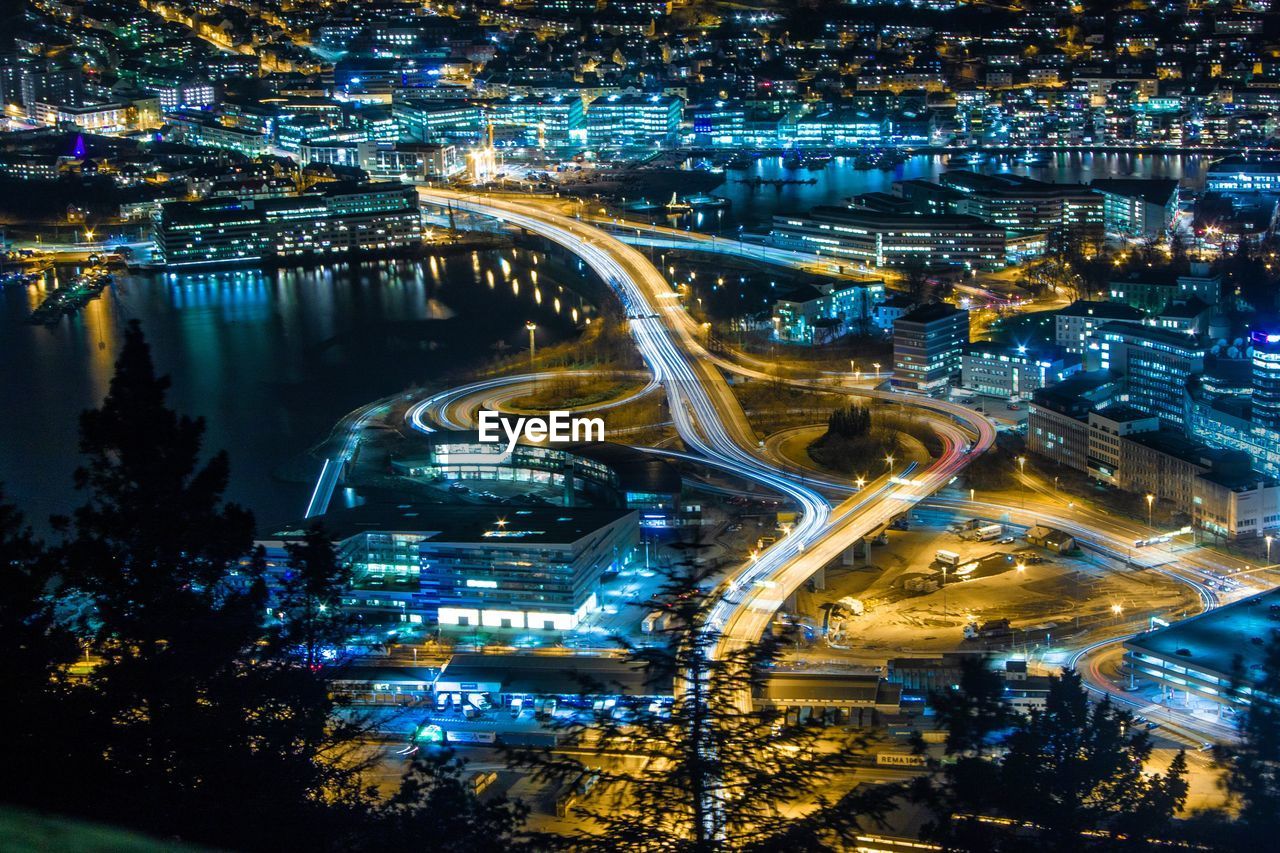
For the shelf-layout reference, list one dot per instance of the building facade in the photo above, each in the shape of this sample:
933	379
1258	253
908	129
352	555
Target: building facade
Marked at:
927	346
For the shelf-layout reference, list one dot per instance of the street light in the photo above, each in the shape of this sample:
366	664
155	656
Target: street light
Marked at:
1022	567
1268	538
1022	471
532	327
888	461
862	481
1151	499
876	365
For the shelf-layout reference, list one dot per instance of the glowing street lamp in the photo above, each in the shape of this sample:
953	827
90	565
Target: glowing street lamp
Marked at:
1151	499
862	481
532	327
1268	539
888	461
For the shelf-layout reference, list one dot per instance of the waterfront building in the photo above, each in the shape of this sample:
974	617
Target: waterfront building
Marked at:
1237	176
876	239
330	220
927	346
607	474
645	121
1137	209
1022	205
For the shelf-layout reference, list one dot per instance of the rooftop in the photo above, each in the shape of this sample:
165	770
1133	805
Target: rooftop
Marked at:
470	524
1211	641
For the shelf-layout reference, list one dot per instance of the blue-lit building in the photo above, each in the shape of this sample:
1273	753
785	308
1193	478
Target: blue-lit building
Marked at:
1014	371
519	568
331	220
813	313
927	346
1197	661
1155	363
538	122
640	121
605	473
1237	176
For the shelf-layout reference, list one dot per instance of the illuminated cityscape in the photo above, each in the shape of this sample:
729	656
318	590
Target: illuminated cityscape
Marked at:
640	425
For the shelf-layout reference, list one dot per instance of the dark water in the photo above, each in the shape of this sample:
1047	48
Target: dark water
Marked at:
755	206
271	360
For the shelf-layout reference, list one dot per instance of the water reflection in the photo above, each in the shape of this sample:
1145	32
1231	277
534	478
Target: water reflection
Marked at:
271	359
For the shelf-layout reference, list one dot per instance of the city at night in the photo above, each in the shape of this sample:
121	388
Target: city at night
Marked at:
673	426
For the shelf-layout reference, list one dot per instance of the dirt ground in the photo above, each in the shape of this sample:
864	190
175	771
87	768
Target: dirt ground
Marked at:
1045	603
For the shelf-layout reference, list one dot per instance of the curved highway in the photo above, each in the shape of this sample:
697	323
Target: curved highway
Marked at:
709	419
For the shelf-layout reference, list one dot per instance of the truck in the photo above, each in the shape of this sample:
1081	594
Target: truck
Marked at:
655	621
987	532
947	558
993	630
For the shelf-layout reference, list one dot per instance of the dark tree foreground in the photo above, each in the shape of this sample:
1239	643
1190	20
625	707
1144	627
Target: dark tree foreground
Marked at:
1066	777
714	774
1253	764
196	728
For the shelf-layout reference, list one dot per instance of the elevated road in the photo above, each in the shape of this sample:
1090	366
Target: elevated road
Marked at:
710	421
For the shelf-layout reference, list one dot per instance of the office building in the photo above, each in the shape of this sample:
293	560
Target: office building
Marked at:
1266	379
1072	325
606	474
1238	176
874	239
538	122
1150	290
1155	363
522	568
815	313
439	121
645	121
330	220
1137	209
1024	205
927	346
1013	372
420	161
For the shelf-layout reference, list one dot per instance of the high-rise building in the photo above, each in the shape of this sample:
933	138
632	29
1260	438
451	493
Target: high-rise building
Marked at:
1266	379
927	346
